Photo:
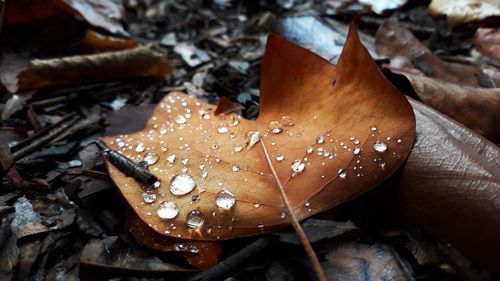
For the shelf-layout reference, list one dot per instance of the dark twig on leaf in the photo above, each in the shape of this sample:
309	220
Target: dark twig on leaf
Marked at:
234	262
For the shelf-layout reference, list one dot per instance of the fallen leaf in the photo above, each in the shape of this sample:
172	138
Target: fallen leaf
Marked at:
450	186
450	88
200	254
333	132
465	11
354	261
487	41
99	13
112	257
94	42
381	6
317	230
73	70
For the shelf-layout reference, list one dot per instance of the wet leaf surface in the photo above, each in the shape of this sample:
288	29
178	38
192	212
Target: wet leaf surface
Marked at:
218	185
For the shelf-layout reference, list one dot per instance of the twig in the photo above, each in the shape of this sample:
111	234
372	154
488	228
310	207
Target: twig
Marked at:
33	119
234	262
295	223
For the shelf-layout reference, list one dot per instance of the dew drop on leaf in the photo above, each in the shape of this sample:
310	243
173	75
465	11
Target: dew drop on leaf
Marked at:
356	151
180	119
309	149
167	210
298	166
399	141
235	168
140	147
342	174
320	139
151	158
253	138
149	197
195	219
171	158
380	146
286	121
182	184
280	157
238	148
373	129
223	130
233	121
225	199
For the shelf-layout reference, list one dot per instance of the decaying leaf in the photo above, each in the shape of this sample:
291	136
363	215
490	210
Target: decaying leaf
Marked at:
452	88
487	41
100	13
354	261
333	132
200	254
450	186
465	11
137	62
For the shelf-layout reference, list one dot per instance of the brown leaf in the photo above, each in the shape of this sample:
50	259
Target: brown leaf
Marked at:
200	254
99	13
355	261
451	88
465	11
322	124
487	41
138	62
450	186
94	42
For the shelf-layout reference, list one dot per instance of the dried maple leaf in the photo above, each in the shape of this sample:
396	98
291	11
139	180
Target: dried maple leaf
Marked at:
333	132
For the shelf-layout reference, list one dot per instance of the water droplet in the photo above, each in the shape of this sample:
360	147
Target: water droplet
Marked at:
140	147
283	215
298	166
280	157
381	163
307	204
399	141
185	161
275	127
356	151
182	184
235	168
225	199
238	148
163	131
121	144
171	158
204	174
253	138
157	184
167	210
180	119
256	205
149	197
151	158
195	219
286	121
223	130
380	146
342	174
309	149
373	129
261	226
320	139
233	121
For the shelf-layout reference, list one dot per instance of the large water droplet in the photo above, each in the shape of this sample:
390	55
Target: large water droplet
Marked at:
298	166
167	210
151	158
225	199
182	184
380	146
253	138
356	150
180	119
140	147
149	197
195	219
320	139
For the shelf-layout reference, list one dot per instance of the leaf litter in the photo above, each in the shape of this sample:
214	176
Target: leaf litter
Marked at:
233	35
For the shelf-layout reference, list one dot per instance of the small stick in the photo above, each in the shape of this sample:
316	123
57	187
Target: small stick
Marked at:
33	118
295	223
234	262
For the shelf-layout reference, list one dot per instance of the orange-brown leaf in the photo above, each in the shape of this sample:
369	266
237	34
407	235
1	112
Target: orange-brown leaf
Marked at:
325	116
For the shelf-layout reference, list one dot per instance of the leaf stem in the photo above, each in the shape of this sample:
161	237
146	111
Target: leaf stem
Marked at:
295	223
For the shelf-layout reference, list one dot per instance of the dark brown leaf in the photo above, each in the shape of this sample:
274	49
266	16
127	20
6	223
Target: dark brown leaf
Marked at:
487	41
